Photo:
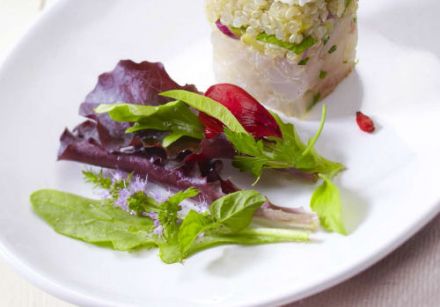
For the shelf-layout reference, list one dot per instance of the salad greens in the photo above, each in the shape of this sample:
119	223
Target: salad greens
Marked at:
174	117
327	201
208	106
253	155
278	153
281	153
209	210
93	221
153	223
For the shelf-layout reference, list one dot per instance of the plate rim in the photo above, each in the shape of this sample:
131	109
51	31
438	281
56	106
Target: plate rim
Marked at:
70	295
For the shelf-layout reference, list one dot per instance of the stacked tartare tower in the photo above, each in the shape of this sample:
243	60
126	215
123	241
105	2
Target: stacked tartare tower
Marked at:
289	54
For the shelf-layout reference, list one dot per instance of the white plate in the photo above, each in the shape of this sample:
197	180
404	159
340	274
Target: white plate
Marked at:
390	188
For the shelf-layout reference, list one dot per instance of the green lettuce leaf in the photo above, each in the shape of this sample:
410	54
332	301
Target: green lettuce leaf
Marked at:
208	106
98	222
92	221
174	117
326	202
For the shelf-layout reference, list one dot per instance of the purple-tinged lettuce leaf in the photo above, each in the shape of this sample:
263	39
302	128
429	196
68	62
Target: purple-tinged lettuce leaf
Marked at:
147	164
102	142
130	82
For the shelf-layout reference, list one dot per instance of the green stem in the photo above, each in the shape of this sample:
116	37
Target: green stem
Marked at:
313	140
251	236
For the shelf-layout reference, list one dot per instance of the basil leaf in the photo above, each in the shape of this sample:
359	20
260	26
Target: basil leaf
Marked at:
208	106
174	116
192	226
295	48
92	221
326	202
235	211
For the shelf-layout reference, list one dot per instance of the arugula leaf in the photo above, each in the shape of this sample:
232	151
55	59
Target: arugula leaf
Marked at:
309	160
208	106
235	211
253	165
326	202
280	153
295	48
174	116
92	221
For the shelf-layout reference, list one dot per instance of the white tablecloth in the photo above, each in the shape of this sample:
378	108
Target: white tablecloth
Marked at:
408	277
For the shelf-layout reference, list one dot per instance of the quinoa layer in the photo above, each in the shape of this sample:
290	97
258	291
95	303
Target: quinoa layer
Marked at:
282	28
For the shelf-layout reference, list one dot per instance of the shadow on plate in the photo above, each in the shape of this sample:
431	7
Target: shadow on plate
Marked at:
412	24
355	209
233	261
344	102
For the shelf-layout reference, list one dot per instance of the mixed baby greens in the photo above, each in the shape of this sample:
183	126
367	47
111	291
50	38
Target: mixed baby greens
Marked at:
153	223
253	155
178	138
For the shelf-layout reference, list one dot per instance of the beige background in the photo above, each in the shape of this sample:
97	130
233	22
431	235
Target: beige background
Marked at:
15	18
408	277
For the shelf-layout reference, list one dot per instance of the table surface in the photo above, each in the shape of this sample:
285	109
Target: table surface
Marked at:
408	277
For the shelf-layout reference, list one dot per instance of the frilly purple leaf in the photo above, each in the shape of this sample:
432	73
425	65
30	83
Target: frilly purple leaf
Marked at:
102	142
